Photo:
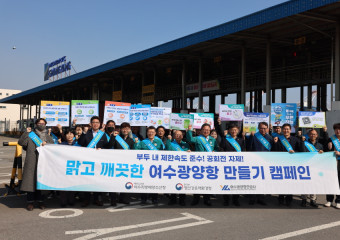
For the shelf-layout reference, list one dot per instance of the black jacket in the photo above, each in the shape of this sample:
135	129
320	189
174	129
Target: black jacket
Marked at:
294	142
86	138
116	145
227	147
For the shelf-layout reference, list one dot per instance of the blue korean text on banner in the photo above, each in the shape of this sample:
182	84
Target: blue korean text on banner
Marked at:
149	144
176	146
161	141
122	142
310	147
233	143
285	143
336	143
35	138
263	141
54	137
205	143
96	139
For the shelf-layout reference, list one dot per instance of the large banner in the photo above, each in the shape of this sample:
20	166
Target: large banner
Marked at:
312	119
84	110
117	111
160	116
85	169
55	113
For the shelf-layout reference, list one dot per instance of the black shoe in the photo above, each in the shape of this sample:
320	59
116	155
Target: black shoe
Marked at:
236	203
194	202
207	202
172	202
251	202
304	203
85	204
182	203
313	204
261	203
30	207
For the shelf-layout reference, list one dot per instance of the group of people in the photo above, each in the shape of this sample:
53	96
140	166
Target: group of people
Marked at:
276	139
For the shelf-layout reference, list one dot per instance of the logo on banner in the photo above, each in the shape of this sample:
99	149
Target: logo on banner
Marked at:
225	187
129	185
277	109
179	186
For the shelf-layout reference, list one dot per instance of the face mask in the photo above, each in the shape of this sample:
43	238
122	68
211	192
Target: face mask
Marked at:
110	129
41	127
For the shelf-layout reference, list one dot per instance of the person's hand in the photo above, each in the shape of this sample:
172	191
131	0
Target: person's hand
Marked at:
59	140
303	138
337	153
219	121
320	151
275	139
169	137
252	133
98	148
324	128
49	131
60	128
291	151
115	133
103	128
189	150
190	127
225	132
86	129
136	140
28	129
330	145
43	143
74	122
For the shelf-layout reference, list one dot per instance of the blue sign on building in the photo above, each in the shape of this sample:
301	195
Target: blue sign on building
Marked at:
61	66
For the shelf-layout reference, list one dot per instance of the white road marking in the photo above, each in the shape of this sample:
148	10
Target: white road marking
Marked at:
124	207
102	231
47	214
303	231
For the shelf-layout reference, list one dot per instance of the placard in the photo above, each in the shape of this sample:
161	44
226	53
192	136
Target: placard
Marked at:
251	121
202	118
231	112
119	112
181	121
140	115
312	119
160	116
55	113
84	110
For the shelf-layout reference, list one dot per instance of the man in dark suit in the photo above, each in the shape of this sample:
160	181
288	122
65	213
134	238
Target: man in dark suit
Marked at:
84	140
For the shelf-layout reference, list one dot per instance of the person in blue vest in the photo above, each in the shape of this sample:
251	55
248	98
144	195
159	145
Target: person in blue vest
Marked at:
30	140
150	143
177	145
259	142
68	197
125	142
311	145
94	138
285	142
334	145
232	143
203	143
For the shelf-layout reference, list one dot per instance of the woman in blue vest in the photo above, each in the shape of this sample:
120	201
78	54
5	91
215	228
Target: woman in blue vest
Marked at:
233	143
150	143
203	143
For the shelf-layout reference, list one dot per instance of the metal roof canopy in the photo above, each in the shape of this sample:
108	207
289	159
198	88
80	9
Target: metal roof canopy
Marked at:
280	24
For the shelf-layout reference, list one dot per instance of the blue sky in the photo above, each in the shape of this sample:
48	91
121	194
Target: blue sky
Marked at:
91	33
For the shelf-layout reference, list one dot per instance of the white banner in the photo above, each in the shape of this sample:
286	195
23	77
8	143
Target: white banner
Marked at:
84	169
312	119
119	112
160	116
84	110
140	115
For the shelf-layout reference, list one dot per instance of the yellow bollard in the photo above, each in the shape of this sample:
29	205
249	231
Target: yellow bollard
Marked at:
17	167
